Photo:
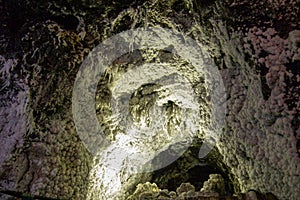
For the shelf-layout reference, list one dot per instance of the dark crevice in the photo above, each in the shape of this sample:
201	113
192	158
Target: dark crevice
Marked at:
266	90
178	6
188	168
294	67
69	22
123	25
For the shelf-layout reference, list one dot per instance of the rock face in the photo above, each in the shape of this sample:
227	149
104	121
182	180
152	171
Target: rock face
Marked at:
255	46
187	191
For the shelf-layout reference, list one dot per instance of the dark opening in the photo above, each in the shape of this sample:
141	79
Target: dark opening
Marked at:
68	22
188	168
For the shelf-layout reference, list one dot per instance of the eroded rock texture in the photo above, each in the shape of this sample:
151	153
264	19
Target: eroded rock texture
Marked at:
255	45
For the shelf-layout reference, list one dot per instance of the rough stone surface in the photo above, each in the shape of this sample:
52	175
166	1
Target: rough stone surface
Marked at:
187	191
255	45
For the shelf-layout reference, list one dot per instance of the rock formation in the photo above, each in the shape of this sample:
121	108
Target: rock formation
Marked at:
254	46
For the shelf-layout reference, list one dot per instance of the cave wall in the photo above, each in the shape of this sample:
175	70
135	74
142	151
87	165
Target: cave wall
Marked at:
255	45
